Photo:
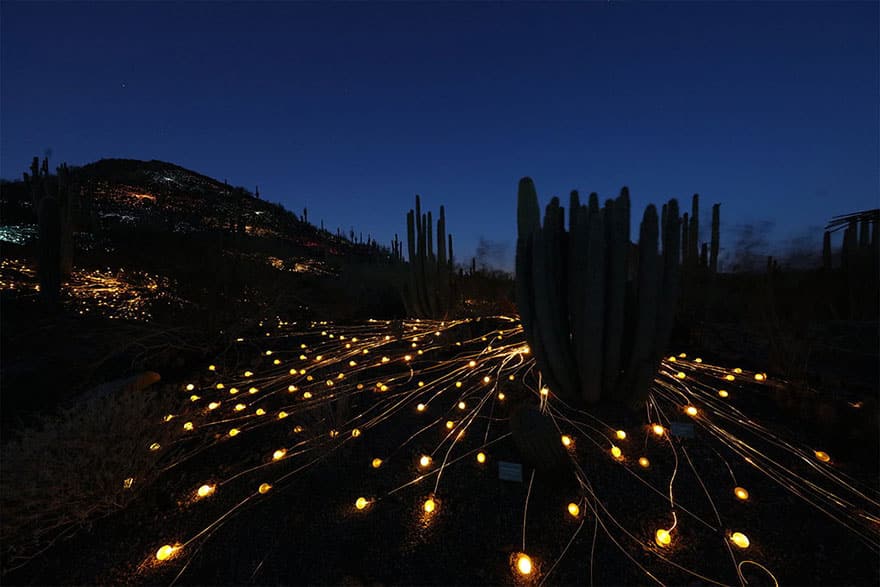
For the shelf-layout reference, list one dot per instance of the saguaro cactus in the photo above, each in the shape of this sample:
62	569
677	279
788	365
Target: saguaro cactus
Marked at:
429	292
716	237
595	334
54	200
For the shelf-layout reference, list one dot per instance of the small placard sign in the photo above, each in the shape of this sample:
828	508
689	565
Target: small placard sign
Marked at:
509	471
682	429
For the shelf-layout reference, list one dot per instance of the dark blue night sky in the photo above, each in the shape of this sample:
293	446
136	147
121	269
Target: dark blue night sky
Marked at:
351	109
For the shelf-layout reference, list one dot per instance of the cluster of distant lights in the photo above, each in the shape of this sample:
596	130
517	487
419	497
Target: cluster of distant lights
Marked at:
115	294
301	375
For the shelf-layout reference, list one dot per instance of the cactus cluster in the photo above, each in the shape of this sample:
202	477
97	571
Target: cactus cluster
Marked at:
597	311
54	199
429	288
694	253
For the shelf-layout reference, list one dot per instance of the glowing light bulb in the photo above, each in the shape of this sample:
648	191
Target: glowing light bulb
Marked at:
268	353
253	390
383	387
429	506
690	411
239	407
461	405
355	432
307	395
737	370
458	383
760	377
672	358
680	375
682	355
472	364
166	552
729	377
620	434
574	509
545	392
212	368
421	407
188	426
194	398
487	379
407	357
264	488
220	386
361	503
292	388
352	363
740	539
644	462
723	393
234	432
481	457
616	453
450	424
260	412
421	383
524	564
213	405
741	493
566	440
233	390
127	483
698	360
425	461
501	396
657	429
155	446
663	538
276	362
190	387
248	373
823	456
205	490
297	429
377	462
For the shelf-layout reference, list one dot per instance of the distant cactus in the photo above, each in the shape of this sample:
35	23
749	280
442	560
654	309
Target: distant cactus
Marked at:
716	236
595	334
54	200
429	289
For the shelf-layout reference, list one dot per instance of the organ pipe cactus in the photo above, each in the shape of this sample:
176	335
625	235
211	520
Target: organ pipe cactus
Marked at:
429	290
596	334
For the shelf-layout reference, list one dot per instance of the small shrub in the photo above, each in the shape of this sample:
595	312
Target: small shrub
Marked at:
81	463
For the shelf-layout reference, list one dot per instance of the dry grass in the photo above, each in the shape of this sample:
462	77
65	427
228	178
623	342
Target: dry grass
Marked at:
74	466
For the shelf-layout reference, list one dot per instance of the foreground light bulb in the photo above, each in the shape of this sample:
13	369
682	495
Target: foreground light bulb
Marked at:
206	490
760	377
234	432
377	462
690	411
524	564
264	488
663	538
644	462
279	454
481	457
425	461
461	405
657	429
620	434
429	506
166	552
566	440
501	396
741	493
450	424
574	509
723	393
823	456
420	407
361	503
616	453
740	539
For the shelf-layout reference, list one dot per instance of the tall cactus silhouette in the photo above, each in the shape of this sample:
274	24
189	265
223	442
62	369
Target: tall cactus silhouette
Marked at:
429	292
54	199
596	335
